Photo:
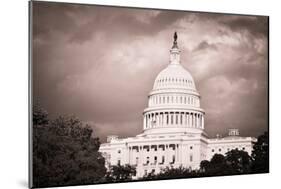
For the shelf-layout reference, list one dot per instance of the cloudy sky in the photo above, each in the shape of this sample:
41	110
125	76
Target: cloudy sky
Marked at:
100	63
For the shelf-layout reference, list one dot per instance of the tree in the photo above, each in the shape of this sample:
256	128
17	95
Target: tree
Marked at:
260	154
40	116
120	173
239	161
216	166
172	173
64	152
204	166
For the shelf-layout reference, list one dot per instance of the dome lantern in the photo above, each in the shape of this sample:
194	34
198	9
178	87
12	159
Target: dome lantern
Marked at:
175	52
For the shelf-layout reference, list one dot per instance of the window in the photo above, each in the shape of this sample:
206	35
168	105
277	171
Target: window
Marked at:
118	162
213	150
243	148
163	160
190	158
155	159
191	147
137	160
147	160
219	150
174	159
119	151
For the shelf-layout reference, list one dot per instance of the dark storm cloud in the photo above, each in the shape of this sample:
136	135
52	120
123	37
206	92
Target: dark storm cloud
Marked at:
255	25
205	45
100	63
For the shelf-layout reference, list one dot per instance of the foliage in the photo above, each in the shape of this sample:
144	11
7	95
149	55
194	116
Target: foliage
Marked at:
64	152
40	116
171	173
260	154
239	162
234	162
120	173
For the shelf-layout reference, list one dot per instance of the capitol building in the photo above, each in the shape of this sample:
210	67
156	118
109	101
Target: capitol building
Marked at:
173	127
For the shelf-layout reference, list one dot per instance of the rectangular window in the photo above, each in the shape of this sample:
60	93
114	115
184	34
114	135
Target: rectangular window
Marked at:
118	162
163	160
190	158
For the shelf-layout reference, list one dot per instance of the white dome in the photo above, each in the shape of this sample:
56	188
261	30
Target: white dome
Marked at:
174	76
173	103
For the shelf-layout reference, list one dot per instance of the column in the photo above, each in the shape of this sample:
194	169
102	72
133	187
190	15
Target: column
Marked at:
144	121
192	118
200	121
166	154
177	153
152	119
155	120
148	120
160	119
176	118
164	119
196	120
129	155
141	155
180	153
170	117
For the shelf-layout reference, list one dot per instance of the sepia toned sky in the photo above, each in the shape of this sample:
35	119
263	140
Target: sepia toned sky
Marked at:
100	63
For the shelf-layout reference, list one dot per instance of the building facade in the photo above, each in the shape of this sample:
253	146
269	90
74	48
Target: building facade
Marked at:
173	127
